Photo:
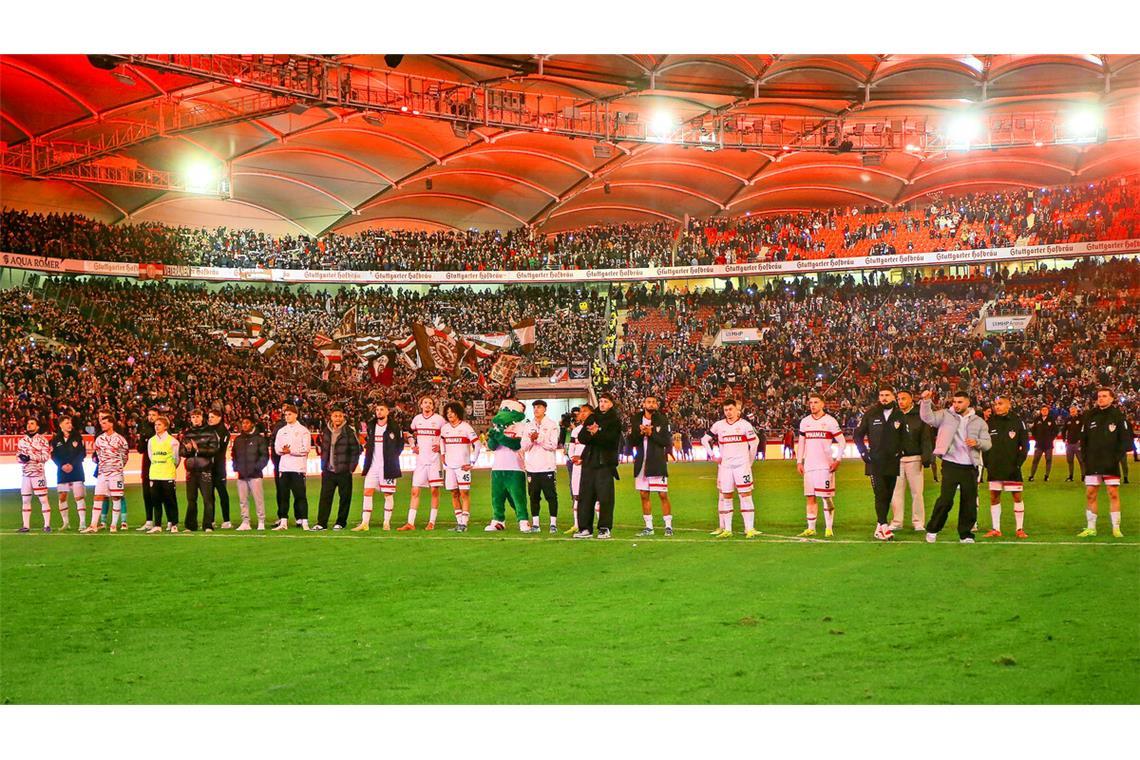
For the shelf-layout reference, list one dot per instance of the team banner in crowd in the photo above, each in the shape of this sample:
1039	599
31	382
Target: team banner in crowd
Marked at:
1010	323
738	335
504	369
630	274
524	334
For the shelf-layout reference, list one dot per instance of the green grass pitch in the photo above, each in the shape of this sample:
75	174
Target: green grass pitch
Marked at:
505	618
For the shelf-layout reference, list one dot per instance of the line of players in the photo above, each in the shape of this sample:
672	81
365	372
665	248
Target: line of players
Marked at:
447	446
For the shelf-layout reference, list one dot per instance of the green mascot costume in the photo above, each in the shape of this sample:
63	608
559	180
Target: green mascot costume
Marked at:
508	480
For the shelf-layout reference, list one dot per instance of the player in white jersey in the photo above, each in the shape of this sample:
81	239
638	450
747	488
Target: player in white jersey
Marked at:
461	448
816	462
424	436
111	453
574	454
33	451
737	442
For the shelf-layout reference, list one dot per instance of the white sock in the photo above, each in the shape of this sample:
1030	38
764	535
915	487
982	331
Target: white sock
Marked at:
575	515
668	521
648	520
64	515
725	513
748	512
829	513
366	509
1091	517
1115	517
553	521
811	523
116	511
434	513
45	510
1019	514
26	500
81	508
995	516
534	521
412	515
389	506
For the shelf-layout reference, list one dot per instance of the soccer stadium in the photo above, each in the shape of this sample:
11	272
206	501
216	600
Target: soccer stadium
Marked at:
396	379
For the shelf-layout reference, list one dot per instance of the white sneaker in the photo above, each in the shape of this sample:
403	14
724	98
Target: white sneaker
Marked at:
173	529
494	526
304	524
892	527
227	525
281	525
245	526
525	528
966	540
931	537
261	526
583	534
155	529
145	527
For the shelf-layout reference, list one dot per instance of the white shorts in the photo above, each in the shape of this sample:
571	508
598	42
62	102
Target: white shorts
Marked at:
575	480
652	483
76	487
729	479
33	485
109	485
455	478
373	482
427	476
1010	486
819	483
1102	480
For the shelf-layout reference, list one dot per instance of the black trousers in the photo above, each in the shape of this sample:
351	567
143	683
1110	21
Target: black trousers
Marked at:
330	483
884	489
281	494
220	488
199	482
955	476
151	501
293	483
165	494
1073	451
596	485
542	484
1047	451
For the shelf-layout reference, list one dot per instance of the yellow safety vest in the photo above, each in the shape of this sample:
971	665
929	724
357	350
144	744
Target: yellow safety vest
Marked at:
162	458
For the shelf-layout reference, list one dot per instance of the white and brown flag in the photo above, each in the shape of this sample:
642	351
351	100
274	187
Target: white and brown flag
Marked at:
524	334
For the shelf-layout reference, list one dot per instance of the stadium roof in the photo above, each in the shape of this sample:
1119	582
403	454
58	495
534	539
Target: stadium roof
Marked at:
555	142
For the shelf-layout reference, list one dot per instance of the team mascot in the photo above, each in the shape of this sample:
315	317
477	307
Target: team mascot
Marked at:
508	481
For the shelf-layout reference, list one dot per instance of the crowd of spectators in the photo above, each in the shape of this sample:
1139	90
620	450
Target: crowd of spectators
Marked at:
85	346
1102	210
845	337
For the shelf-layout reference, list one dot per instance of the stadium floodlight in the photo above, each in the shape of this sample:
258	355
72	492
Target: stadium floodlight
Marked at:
1083	124
661	126
962	130
201	178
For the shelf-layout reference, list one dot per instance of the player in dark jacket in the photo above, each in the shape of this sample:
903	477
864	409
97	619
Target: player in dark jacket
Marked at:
68	452
651	439
1044	432
879	440
1105	438
1072	432
198	446
150	495
1009	448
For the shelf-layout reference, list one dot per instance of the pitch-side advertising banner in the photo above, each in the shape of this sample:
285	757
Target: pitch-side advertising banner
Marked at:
630	274
1007	324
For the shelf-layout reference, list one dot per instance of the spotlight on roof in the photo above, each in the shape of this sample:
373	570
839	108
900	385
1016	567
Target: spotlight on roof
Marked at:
375	119
661	126
393	61
1084	124
124	77
1038	144
201	178
962	130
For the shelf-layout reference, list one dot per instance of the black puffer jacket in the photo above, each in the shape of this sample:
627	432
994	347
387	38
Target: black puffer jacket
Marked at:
344	455
602	446
198	447
1009	446
1105	438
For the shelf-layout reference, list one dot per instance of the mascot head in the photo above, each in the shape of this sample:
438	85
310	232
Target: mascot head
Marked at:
510	412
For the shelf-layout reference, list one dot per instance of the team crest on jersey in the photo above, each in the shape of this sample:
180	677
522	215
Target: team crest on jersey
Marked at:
74	444
1013	434
1112	427
897	424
